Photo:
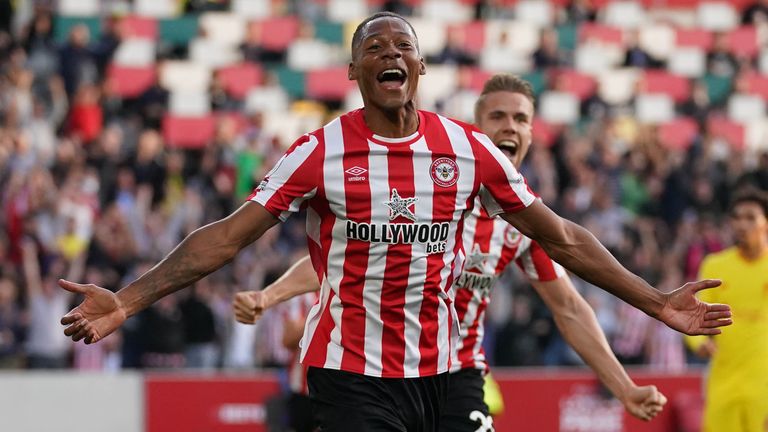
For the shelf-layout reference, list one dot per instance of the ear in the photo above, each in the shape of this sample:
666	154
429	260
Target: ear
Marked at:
422	67
352	72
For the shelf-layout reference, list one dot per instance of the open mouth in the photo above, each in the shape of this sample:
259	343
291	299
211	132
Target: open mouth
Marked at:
508	147
392	78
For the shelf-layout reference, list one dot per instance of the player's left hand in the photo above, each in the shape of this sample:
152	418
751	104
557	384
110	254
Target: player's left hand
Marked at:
687	314
644	402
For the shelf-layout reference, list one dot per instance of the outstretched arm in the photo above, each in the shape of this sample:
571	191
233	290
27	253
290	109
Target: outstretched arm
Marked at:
578	250
299	279
578	325
202	252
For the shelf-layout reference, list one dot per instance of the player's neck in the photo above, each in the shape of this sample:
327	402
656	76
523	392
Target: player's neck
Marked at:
752	252
392	124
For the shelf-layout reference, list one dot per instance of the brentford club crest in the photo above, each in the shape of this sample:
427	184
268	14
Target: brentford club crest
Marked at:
444	172
512	237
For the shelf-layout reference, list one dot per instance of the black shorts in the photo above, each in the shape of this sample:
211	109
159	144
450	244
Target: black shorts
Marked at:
466	410
345	401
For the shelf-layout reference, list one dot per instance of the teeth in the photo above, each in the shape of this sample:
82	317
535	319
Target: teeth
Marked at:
393	71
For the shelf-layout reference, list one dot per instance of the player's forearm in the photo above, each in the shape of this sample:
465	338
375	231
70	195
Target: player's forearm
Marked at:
580	252
201	253
581	331
299	279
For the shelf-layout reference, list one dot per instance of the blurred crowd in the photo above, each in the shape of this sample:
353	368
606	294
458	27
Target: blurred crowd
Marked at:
92	191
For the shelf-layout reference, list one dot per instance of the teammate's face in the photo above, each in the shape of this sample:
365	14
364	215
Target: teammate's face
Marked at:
749	223
387	64
506	117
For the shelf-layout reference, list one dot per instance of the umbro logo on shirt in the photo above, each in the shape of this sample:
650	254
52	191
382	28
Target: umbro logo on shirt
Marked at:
356	174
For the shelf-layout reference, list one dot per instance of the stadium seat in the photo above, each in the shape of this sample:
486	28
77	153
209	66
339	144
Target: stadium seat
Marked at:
658	40
745	108
477	78
156	8
442	81
717	15
330	32
742	42
558	107
762	61
499	59
292	81
213	54
130	82
757	84
567	36
353	100
189	104
538	80
63	25
521	37
431	36
679	133
188	132
346	10
617	86
473	35
536	12
252	9
657	81
756	135
78	7
654	108
239	79
278	33
178	31
135	52
689	62
329	84
185	76
224	28
263	99
579	84
593	32
544	134
289	126
308	54
595	58
140	27
694	38
728	130
624	14
446	11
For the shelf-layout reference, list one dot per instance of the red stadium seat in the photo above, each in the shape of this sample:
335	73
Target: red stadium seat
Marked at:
188	132
545	134
575	82
473	33
328	84
743	42
130	82
679	133
278	33
698	38
140	27
656	81
238	80
477	78
601	33
757	84
729	130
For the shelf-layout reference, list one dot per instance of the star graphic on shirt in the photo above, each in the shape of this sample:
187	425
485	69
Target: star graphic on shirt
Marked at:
399	206
476	259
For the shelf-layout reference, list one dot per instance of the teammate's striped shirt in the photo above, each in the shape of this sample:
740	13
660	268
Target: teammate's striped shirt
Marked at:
490	243
386	218
295	309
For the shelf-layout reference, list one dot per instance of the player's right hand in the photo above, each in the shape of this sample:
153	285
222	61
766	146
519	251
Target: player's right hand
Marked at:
249	306
645	402
97	316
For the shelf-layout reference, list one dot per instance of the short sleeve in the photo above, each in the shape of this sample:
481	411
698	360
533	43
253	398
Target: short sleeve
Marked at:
502	188
537	265
293	180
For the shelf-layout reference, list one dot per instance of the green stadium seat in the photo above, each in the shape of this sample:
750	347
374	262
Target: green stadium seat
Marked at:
330	32
292	81
178	31
63	24
538	80
566	37
718	88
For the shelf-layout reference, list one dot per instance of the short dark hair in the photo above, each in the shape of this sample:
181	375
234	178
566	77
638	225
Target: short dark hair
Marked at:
750	194
357	37
505	82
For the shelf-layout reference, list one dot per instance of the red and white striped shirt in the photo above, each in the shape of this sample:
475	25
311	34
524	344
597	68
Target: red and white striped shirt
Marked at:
385	219
490	244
